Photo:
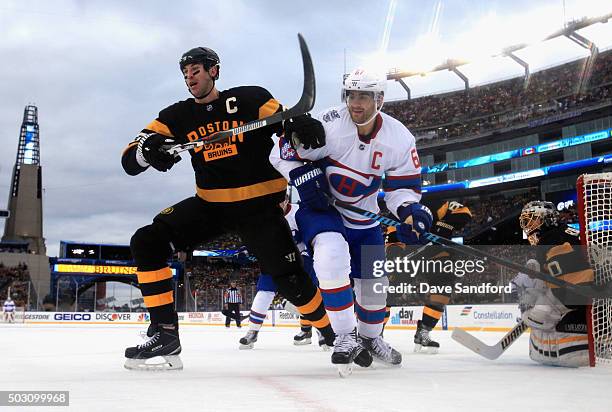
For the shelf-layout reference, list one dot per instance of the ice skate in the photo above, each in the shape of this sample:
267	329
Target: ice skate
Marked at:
381	350
348	351
422	341
248	341
303	338
164	343
322	342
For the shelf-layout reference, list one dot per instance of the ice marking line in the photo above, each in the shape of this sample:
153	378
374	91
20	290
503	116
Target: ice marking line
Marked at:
294	394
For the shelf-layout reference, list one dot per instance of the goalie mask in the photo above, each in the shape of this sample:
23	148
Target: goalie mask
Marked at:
362	81
535	215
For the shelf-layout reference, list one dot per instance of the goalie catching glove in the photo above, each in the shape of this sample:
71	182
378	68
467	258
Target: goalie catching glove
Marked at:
312	186
150	151
417	219
306	131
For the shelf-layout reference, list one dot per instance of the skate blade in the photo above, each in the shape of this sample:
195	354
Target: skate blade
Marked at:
171	362
302	342
325	348
345	370
427	350
245	347
383	362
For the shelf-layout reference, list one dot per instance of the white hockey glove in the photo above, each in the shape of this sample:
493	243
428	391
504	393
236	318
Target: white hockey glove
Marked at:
546	312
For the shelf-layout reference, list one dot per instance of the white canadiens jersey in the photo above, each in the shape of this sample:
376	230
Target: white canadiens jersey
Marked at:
290	217
356	169
9	306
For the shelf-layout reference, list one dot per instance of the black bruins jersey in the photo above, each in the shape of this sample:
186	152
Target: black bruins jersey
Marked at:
235	170
562	256
447	217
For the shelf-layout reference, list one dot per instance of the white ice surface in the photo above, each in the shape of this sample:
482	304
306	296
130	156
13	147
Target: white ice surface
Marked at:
278	376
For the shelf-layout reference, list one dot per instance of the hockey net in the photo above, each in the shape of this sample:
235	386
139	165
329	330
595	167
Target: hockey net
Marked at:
595	214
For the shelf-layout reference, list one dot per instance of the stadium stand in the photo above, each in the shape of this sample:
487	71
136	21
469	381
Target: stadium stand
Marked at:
506	103
16	278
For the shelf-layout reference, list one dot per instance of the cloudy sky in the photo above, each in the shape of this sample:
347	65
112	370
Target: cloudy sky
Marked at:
100	70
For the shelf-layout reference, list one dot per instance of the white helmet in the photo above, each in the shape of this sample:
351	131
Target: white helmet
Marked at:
366	81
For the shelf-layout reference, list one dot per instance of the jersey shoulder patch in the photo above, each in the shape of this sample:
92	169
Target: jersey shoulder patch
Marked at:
287	152
330	115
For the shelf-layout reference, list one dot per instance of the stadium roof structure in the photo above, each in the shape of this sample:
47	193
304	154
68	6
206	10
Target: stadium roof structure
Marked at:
570	31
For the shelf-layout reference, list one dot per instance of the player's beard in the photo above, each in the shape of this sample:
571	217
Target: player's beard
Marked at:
204	89
368	114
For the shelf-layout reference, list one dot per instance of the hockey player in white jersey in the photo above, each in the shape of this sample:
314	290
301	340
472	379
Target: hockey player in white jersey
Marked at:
266	289
363	150
9	310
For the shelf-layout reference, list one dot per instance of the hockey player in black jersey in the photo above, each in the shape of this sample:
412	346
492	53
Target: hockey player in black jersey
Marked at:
237	190
558	319
449	216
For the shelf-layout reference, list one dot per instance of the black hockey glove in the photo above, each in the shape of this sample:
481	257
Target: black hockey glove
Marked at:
150	149
306	131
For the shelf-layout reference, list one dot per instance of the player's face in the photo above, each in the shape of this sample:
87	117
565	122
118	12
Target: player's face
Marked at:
361	106
529	222
197	79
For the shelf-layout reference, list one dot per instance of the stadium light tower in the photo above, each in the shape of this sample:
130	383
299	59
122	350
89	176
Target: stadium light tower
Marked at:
25	220
569	31
509	51
587	68
452	66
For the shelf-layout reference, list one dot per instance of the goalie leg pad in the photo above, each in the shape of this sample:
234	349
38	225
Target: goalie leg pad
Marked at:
559	349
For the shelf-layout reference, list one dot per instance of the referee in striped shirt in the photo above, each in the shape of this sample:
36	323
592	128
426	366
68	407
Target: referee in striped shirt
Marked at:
232	298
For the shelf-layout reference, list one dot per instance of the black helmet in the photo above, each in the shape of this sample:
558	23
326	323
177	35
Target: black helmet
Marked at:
203	55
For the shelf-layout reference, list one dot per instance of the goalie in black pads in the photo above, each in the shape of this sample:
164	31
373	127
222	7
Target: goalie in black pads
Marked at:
558	320
237	189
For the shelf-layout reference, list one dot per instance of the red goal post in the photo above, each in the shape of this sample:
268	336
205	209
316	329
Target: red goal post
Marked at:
594	193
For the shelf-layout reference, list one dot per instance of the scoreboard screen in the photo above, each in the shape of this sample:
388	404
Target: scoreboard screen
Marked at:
82	251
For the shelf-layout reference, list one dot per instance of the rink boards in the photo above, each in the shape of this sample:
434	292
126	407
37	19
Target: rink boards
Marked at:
497	318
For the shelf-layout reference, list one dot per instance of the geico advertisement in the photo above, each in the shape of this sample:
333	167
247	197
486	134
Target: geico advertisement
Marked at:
91	317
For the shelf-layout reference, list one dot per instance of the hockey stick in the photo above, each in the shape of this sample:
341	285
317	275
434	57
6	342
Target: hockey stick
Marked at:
304	105
586	291
489	351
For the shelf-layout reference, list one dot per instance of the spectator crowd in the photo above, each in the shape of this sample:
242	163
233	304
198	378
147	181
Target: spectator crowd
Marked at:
506	103
16	278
